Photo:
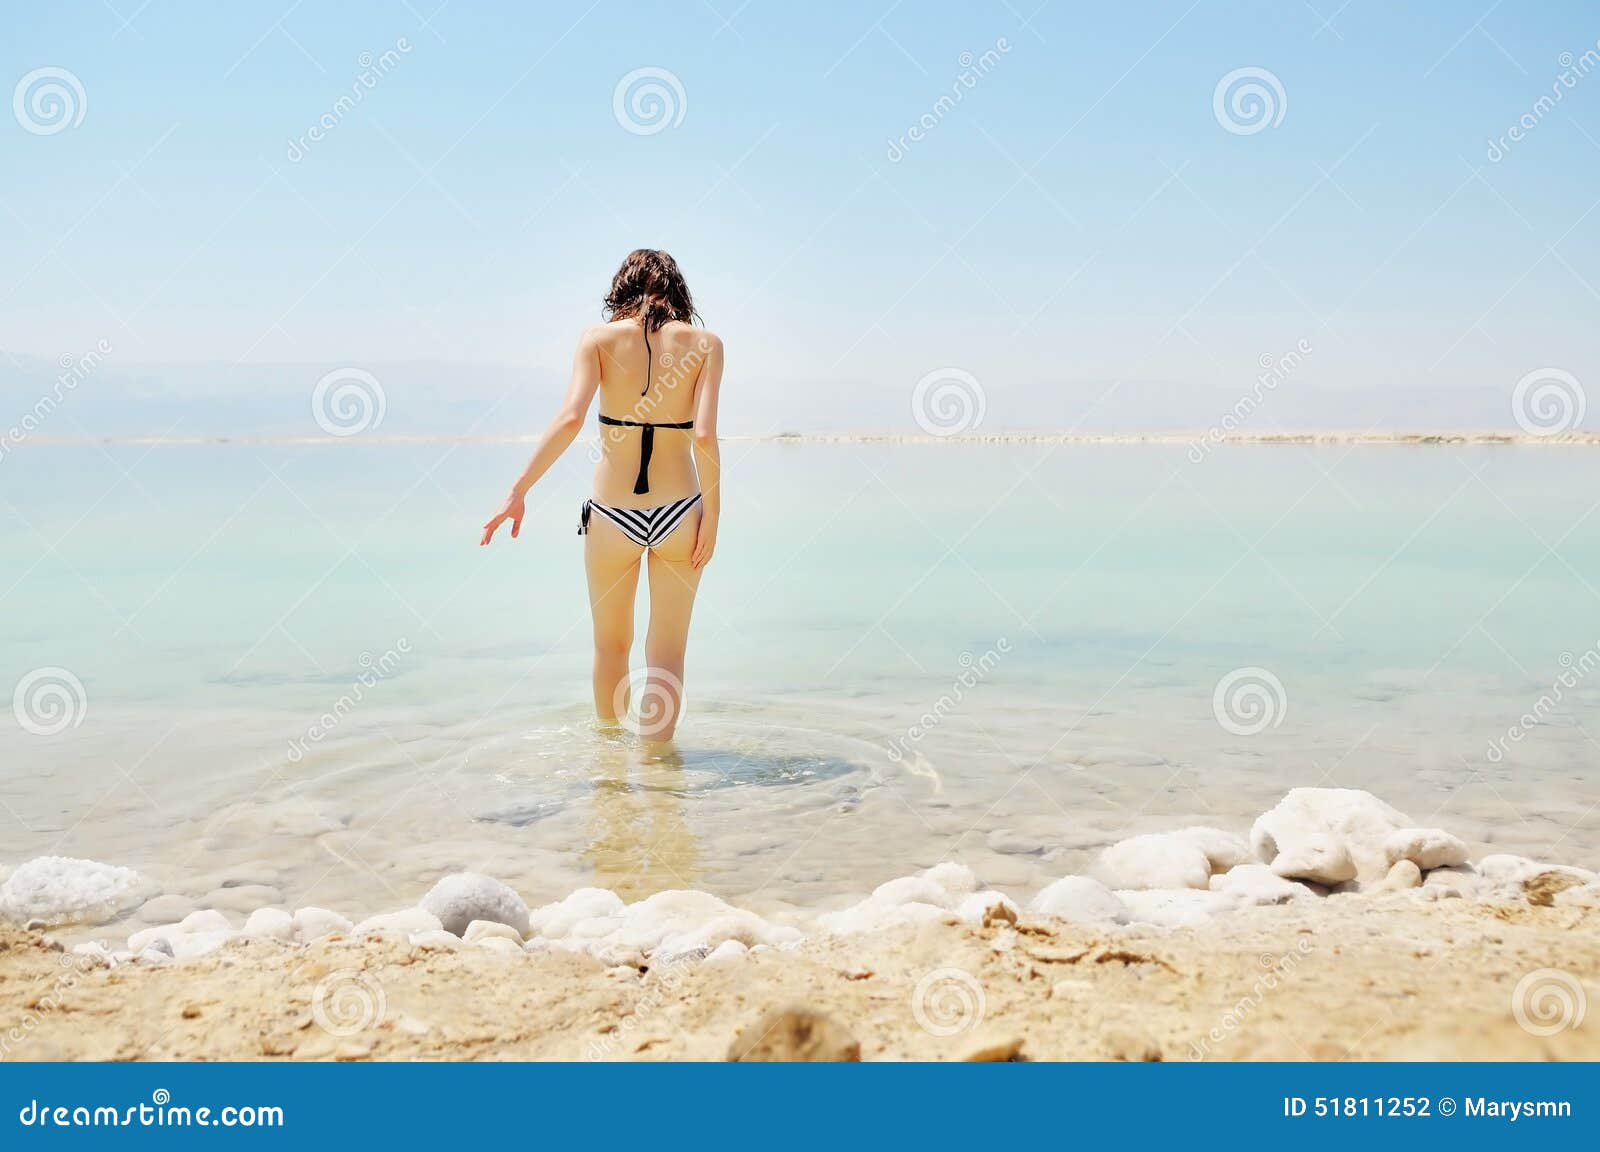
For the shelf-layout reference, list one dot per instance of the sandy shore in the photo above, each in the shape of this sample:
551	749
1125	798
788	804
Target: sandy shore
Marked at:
1353	978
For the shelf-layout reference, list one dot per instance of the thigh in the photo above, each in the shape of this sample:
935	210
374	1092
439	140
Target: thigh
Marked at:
673	583
611	561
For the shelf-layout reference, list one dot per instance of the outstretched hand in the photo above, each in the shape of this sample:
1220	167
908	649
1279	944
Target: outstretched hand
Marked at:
512	510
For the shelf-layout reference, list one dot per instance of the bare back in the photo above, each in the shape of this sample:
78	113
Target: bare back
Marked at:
665	394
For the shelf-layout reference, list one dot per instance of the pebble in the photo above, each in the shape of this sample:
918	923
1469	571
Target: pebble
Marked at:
405	922
483	929
459	899
1403	875
501	944
205	920
271	924
314	923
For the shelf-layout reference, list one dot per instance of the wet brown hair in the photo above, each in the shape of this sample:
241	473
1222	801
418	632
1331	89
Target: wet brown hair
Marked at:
650	288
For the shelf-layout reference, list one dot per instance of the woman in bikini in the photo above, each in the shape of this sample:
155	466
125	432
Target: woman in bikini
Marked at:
657	490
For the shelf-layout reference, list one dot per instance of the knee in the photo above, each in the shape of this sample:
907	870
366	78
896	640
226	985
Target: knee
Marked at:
613	646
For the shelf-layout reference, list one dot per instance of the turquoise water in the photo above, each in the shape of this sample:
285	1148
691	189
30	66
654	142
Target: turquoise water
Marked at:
999	654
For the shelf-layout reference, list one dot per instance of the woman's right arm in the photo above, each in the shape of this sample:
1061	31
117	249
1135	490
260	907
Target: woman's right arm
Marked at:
557	438
707	457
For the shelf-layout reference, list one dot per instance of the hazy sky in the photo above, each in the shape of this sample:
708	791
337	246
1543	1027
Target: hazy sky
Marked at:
1091	212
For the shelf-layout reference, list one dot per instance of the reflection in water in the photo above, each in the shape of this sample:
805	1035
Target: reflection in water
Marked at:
640	843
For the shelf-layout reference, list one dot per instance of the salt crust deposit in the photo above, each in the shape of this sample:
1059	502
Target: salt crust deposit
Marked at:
60	888
1316	844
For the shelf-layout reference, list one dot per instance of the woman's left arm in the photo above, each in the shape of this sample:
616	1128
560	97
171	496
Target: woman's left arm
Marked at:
557	438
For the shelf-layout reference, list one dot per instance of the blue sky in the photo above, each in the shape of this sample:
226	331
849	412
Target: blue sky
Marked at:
1079	224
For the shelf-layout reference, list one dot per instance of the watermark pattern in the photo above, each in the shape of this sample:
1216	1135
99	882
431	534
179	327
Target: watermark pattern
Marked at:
74	371
1274	371
948	401
48	701
348	401
1573	671
1275	970
1547	1001
348	1001
649	100
49	100
948	1001
1573	68
649	702
973	671
373	69
973	69
1248	701
1548	401
373	670
1249	100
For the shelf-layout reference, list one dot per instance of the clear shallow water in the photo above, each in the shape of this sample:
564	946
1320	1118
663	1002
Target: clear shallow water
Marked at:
1002	655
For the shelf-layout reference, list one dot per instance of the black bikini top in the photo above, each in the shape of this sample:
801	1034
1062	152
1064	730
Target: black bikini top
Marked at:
647	441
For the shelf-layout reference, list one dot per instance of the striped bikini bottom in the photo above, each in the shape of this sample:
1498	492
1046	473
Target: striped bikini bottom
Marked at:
646	527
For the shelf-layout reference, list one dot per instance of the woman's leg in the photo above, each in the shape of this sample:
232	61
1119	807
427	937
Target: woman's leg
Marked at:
673	582
612	563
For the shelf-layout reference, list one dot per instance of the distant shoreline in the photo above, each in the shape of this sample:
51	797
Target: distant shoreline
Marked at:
1205	437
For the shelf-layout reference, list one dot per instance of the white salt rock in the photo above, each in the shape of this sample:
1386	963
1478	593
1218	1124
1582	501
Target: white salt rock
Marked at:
154	956
1256	884
912	890
1175	907
501	944
147	937
1305	820
95	952
972	909
928	897
205	920
57	889
688	920
1080	900
270	924
1223	850
583	907
1403	876
314	923
1503	869
1317	857
727	950
1462	880
956	879
1156	860
436	940
405	922
1579	896
1427	848
459	899
187	945
483	929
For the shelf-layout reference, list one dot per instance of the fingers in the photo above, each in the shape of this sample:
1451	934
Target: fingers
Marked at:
516	527
489	530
